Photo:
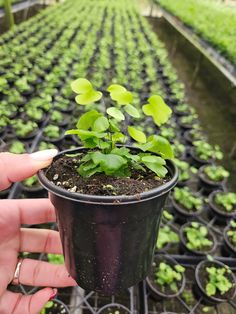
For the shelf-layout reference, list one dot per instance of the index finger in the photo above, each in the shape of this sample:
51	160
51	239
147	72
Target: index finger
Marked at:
31	211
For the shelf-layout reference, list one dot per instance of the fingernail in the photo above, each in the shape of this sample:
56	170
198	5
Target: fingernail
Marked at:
44	155
53	294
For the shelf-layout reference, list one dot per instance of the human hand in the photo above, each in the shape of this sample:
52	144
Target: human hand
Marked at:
14	239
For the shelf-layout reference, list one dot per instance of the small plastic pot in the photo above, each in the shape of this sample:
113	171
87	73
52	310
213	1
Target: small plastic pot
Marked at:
207	184
153	287
221	217
55	141
112	308
228	249
196	161
29	137
108	241
183	215
183	242
201	281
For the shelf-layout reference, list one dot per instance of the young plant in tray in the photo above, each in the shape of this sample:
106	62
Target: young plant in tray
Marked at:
226	201
197	237
216	173
217	281
166	235
169	276
231	233
206	152
187	199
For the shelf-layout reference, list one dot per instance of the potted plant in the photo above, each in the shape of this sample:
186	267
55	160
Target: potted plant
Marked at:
183	110
107	198
52	134
229	245
193	135
196	238
187	122
59	119
114	309
166	237
45	145
167	279
185	172
212	177
16	147
222	206
179	149
214	282
203	153
23	87
186	203
24	130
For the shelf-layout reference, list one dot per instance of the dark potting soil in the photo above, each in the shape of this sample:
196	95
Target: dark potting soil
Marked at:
63	173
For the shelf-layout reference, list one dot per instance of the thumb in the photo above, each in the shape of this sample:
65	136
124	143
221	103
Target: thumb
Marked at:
17	167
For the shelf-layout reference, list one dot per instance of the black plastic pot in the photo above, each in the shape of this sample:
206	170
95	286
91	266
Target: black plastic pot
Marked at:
112	308
152	286
201	279
108	241
207	184
183	215
221	217
183	242
228	249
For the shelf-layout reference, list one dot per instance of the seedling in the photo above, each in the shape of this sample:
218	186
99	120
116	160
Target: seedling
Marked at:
226	200
52	131
231	233
55	259
169	276
17	147
184	169
216	173
218	281
188	119
187	199
168	216
23	128
197	237
101	132
166	235
56	116
178	148
49	305
205	151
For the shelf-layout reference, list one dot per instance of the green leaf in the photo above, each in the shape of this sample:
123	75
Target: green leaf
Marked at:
158	109
153	159
210	289
119	137
115	113
87	120
132	111
160	146
109	163
157	167
123	98
116	88
113	126
84	134
88	98
101	124
137	135
81	86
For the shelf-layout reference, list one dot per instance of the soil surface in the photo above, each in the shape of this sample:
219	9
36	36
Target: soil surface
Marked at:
63	173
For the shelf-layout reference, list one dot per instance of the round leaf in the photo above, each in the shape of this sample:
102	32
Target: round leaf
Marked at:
115	113
101	124
88	98
81	86
116	88
132	111
137	135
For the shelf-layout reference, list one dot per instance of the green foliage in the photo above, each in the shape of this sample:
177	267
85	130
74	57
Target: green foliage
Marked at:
206	17
205	151
218	281
31	182
49	305
167	215
231	233
184	169
17	147
197	237
52	131
186	198
101	133
216	173
23	128
87	94
169	276
166	235
227	200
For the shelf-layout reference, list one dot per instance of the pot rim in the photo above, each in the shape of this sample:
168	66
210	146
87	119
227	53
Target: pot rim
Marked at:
226	238
203	176
214	207
112	200
198	281
112	305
